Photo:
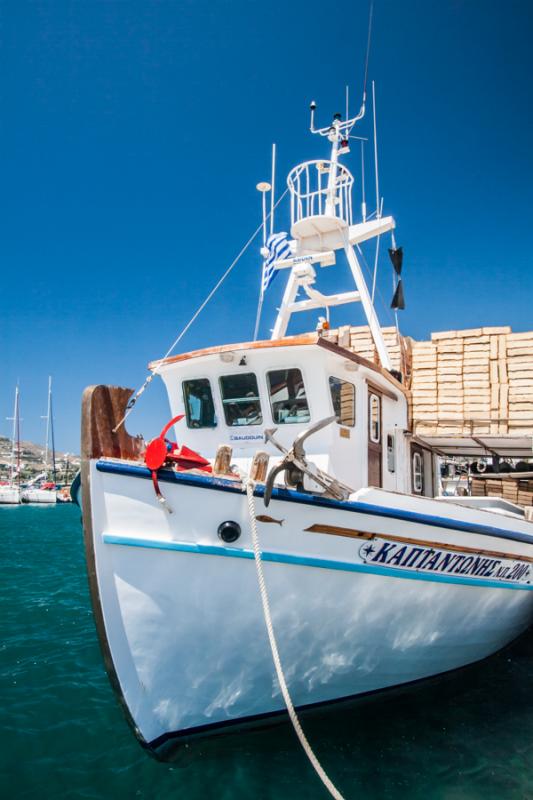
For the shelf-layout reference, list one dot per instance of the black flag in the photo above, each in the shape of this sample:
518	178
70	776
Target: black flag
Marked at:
398	301
396	256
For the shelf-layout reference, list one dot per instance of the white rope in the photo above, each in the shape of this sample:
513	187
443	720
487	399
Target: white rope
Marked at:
275	653
193	319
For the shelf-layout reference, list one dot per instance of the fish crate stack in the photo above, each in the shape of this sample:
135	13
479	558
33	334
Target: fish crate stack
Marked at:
463	383
477	381
360	341
515	489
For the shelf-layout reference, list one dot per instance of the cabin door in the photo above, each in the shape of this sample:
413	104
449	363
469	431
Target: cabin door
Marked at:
375	448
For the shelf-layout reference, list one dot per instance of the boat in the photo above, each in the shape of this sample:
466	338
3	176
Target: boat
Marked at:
41	489
10	490
295	502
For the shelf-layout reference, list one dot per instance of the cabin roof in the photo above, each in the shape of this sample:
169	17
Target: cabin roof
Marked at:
287	341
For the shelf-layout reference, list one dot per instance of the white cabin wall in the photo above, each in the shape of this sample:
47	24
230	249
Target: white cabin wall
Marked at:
345	457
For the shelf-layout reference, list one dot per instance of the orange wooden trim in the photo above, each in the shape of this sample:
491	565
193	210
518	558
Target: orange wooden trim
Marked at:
103	407
354	534
288	341
376	389
364	362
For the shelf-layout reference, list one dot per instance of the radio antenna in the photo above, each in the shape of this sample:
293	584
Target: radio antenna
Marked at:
378	201
347	101
273	189
363	199
370	15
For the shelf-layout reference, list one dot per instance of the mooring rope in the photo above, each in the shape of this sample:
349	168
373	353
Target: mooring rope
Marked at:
275	653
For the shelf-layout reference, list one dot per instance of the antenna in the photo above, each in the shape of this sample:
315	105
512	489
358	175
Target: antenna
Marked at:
363	200
378	209
273	191
263	187
347	100
370	15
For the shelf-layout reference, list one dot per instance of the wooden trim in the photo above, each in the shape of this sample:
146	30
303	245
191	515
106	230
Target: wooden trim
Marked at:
364	362
288	341
376	389
103	407
355	534
423	444
415	448
504	476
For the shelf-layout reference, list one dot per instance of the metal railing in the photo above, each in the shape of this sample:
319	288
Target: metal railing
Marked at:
314	192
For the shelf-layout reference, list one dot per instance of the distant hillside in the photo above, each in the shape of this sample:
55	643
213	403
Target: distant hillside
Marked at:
32	460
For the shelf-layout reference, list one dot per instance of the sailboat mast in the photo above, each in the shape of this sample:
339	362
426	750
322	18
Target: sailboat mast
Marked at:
47	428
15	441
52	439
17	415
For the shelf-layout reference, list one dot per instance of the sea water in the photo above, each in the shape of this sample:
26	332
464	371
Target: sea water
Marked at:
466	736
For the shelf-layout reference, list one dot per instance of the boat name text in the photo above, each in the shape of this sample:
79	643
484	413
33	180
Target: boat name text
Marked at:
430	559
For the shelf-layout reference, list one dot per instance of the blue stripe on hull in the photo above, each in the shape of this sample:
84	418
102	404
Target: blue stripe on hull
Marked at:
290	496
305	561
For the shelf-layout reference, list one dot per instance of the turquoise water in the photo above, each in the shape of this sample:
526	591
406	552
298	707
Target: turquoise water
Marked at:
466	737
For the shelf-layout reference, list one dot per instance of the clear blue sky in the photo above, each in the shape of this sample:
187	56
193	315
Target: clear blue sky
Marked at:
132	137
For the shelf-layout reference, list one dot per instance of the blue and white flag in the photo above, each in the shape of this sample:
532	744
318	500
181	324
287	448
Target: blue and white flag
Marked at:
278	249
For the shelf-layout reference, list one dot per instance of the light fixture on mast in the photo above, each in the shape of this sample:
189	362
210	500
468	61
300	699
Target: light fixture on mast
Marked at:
264	187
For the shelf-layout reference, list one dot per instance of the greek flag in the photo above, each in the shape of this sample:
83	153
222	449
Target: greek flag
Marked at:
278	249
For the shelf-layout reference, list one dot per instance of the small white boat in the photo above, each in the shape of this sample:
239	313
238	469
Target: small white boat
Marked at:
39	495
9	495
41	489
372	580
10	491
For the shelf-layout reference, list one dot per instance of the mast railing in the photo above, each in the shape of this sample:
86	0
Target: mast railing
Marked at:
313	196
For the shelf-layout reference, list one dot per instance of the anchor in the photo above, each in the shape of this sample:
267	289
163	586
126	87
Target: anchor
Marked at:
296	465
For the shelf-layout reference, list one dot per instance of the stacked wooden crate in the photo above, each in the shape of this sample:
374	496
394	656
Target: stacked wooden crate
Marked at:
515	490
475	381
519	396
359	339
424	382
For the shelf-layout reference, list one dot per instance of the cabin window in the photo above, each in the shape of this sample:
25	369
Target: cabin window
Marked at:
199	406
343	398
240	399
288	399
374	418
418	472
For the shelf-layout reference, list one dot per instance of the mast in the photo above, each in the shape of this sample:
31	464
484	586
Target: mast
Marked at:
18	436
15	442
49	426
52	430
322	224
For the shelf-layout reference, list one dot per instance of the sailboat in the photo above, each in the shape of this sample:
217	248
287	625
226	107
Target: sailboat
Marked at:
41	489
301	499
10	493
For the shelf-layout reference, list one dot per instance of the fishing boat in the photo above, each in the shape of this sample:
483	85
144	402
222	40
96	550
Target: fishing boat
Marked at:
10	490
295	495
41	489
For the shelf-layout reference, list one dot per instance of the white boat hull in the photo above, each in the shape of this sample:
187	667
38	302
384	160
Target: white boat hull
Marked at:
181	618
39	496
9	495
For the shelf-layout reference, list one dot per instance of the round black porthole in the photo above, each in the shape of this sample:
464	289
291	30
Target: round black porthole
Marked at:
229	531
